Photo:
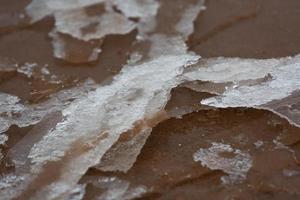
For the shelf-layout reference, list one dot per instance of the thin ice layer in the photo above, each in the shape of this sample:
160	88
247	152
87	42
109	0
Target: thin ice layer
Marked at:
283	83
236	165
74	21
144	10
222	70
13	112
288	107
271	84
92	125
137	8
123	153
38	9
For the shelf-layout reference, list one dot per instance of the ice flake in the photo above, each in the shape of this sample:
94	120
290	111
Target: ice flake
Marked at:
27	69
45	71
258	144
236	166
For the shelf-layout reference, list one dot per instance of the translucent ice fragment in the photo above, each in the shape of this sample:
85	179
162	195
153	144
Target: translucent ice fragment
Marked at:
73	50
137	8
222	70
236	165
258	144
166	45
288	107
285	80
38	9
123	154
12	112
27	69
144	10
74	21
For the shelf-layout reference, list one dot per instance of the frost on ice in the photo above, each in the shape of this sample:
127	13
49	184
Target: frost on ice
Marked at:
236	165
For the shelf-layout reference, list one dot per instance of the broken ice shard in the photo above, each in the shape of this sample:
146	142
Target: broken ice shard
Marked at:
236	165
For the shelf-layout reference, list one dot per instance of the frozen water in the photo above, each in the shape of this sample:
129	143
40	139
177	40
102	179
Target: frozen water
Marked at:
91	126
72	22
236	166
